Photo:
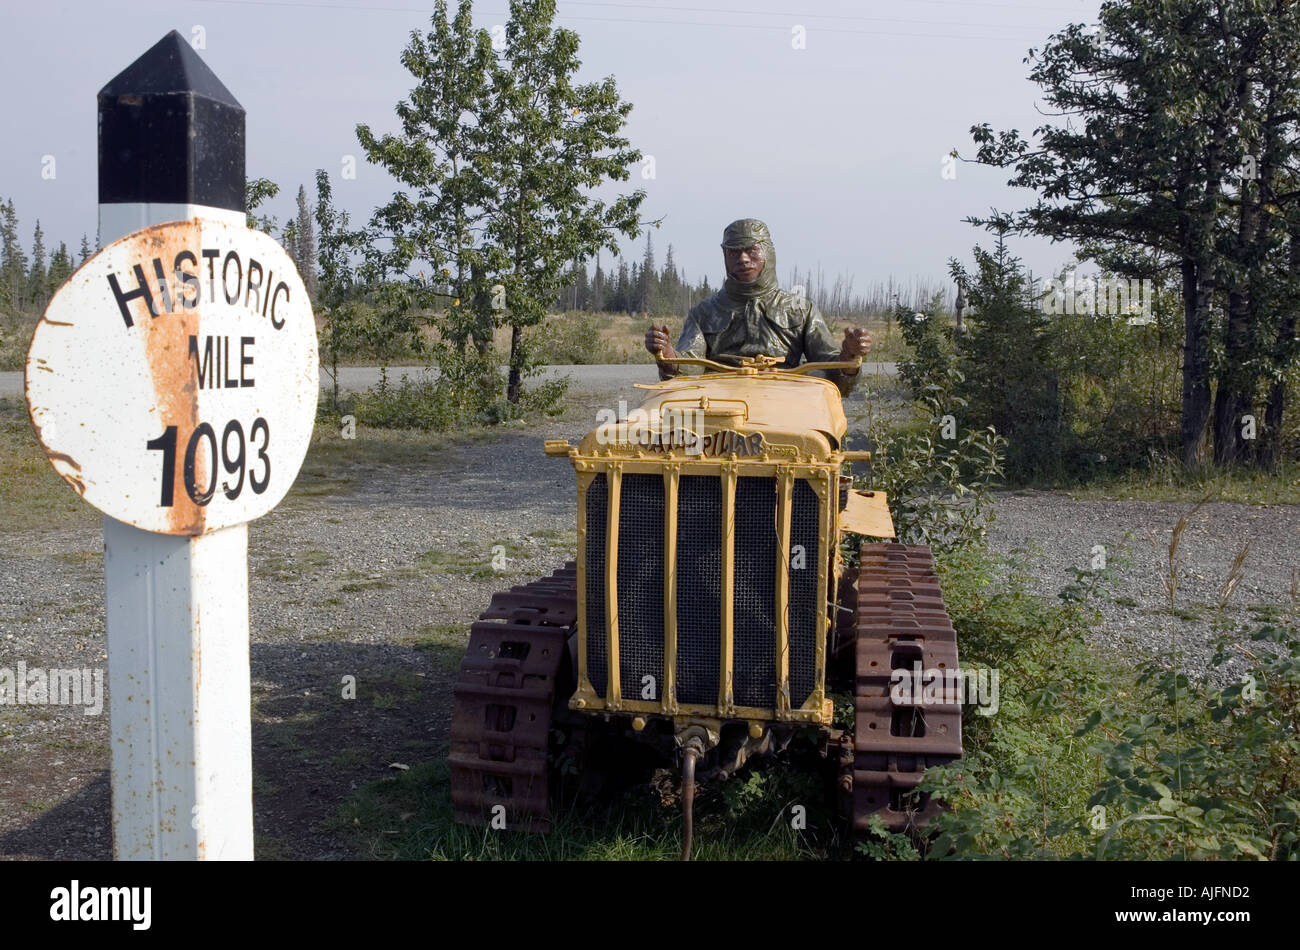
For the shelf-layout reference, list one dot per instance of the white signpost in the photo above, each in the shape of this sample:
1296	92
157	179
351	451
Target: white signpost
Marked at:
173	383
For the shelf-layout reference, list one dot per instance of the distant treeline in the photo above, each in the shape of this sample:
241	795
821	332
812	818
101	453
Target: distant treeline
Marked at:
645	287
27	281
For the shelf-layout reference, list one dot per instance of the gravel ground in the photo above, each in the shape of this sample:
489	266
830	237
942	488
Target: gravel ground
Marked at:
1058	534
378	574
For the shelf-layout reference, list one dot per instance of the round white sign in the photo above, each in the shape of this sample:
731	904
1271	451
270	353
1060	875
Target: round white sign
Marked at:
173	379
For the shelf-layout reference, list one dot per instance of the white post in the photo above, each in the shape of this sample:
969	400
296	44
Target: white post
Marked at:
177	606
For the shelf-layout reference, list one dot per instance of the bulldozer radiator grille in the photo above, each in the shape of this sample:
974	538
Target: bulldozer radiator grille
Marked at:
641	586
699	588
597	649
754	596
639	579
805	602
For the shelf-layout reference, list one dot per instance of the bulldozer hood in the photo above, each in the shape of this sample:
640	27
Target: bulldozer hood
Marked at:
728	414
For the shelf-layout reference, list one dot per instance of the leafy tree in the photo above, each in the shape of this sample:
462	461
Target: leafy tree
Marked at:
499	157
439	157
548	143
1258	284
84	253
1164	106
337	292
1284	352
256	191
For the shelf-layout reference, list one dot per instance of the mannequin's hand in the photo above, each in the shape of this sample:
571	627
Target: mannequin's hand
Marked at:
857	342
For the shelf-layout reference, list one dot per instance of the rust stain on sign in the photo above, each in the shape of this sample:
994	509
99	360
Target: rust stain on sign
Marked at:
175	387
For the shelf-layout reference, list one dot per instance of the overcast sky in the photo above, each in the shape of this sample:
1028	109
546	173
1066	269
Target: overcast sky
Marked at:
838	145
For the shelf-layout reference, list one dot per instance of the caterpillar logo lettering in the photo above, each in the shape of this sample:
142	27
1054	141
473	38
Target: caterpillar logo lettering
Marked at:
728	442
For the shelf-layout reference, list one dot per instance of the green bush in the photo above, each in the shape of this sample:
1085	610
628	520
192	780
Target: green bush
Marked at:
929	369
571	338
1076	394
468	390
1085	758
938	488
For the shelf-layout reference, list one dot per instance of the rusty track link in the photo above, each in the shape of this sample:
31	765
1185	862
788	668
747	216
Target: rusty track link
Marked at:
502	703
901	621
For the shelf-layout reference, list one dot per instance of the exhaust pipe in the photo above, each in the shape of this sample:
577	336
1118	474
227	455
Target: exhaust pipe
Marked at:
692	752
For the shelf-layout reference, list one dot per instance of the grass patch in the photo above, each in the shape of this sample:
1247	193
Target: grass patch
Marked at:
271	848
15	338
409	817
445	642
34	495
1171	483
293	565
349	758
393	689
85	747
333	463
474	563
354	582
1182	613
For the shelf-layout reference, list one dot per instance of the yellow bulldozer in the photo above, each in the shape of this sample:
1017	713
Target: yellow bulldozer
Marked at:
709	606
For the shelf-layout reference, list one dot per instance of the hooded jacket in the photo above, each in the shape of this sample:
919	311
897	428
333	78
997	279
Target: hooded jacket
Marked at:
759	318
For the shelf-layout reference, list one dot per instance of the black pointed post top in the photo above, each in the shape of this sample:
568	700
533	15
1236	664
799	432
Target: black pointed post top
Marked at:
170	132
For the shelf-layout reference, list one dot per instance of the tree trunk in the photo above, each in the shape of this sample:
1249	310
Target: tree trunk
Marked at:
1270	445
1232	397
334	367
513	381
1227	395
1196	363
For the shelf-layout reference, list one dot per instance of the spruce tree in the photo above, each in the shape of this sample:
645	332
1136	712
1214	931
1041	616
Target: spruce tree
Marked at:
1008	378
646	283
37	277
60	267
13	260
305	244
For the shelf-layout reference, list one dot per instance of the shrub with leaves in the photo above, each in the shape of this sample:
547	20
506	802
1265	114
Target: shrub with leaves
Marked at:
466	391
1206	774
929	370
1086	760
571	338
938	489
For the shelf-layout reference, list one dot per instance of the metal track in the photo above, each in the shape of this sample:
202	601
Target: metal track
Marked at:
503	701
901	621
